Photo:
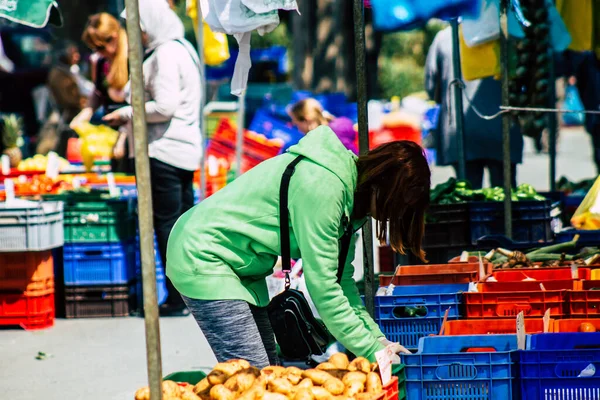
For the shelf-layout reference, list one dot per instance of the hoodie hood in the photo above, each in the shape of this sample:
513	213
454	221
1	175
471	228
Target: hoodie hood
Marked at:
323	147
159	22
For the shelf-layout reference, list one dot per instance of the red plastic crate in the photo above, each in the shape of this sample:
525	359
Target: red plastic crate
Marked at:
573	325
501	300
531	286
493	326
27	272
583	301
436	274
539	274
28	312
390	391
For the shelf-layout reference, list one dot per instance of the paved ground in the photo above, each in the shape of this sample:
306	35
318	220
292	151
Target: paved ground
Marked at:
104	359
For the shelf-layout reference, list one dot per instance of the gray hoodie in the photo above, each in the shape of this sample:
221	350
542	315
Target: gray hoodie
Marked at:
172	87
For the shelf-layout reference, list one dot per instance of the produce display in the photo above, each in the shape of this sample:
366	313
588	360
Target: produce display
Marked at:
12	138
338	379
459	191
39	163
576	188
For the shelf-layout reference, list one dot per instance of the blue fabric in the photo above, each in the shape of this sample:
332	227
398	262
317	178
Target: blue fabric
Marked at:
573	103
394	15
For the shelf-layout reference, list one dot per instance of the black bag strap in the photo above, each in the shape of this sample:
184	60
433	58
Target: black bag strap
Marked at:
284	227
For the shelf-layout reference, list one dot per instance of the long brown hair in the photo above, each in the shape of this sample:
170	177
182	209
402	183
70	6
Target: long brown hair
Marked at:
100	30
393	184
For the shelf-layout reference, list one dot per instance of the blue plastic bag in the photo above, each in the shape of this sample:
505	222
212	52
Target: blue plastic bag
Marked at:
573	103
395	15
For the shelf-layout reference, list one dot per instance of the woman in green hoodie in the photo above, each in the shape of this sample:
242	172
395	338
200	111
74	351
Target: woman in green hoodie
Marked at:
221	251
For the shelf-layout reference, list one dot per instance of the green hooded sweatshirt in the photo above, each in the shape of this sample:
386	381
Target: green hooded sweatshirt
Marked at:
225	247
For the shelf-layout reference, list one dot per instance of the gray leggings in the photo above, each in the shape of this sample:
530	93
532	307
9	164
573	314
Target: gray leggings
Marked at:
236	329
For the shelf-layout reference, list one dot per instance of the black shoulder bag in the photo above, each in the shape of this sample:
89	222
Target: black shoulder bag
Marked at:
299	334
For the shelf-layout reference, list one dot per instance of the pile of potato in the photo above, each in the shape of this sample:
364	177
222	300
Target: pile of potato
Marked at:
337	379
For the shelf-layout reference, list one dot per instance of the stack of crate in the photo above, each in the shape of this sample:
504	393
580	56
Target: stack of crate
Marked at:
98	257
28	233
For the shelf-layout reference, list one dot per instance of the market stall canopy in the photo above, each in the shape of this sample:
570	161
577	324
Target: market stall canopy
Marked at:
33	13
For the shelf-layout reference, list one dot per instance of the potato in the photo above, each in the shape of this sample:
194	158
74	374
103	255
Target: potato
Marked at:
334	386
374	384
366	396
143	393
170	388
217	377
256	392
202	386
326	366
317	376
274	396
273	371
320	393
205	394
242	380
306	383
304	394
355	376
360	364
337	373
374	367
342	397
353	389
220	392
293	374
188	395
340	360
241	364
280	385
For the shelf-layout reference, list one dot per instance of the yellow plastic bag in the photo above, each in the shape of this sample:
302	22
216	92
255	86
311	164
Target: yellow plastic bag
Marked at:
587	216
97	142
481	61
216	48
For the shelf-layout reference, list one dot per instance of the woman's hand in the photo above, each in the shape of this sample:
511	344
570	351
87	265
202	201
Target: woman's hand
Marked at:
119	147
114	118
397	348
84	116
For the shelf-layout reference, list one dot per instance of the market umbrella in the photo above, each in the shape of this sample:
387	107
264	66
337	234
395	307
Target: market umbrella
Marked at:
33	13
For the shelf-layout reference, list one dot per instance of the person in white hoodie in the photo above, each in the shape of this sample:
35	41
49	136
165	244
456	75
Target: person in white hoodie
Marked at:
173	97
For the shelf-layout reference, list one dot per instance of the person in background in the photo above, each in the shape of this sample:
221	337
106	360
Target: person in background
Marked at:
174	93
105	36
483	138
308	114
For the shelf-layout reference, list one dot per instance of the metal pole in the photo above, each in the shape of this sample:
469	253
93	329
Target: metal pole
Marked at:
458	100
200	44
239	139
363	141
142	171
552	124
506	122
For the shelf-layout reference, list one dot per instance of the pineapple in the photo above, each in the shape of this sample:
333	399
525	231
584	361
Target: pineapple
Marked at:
11	136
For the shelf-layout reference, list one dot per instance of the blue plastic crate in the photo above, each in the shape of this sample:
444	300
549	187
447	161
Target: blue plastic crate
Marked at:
551	366
87	264
586	238
532	221
408	331
435	299
445	369
161	284
272	128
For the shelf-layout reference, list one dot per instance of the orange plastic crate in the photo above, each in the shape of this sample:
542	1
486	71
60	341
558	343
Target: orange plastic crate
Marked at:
573	325
27	272
390	391
436	274
502	300
583	301
493	326
539	274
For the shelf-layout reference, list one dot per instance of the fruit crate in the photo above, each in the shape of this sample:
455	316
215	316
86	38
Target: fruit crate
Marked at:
409	331
447	225
27	272
574	325
503	300
493	326
539	274
426	301
89	264
30	312
97	301
436	274
93	222
584	302
532	221
461	367
552	366
31	226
